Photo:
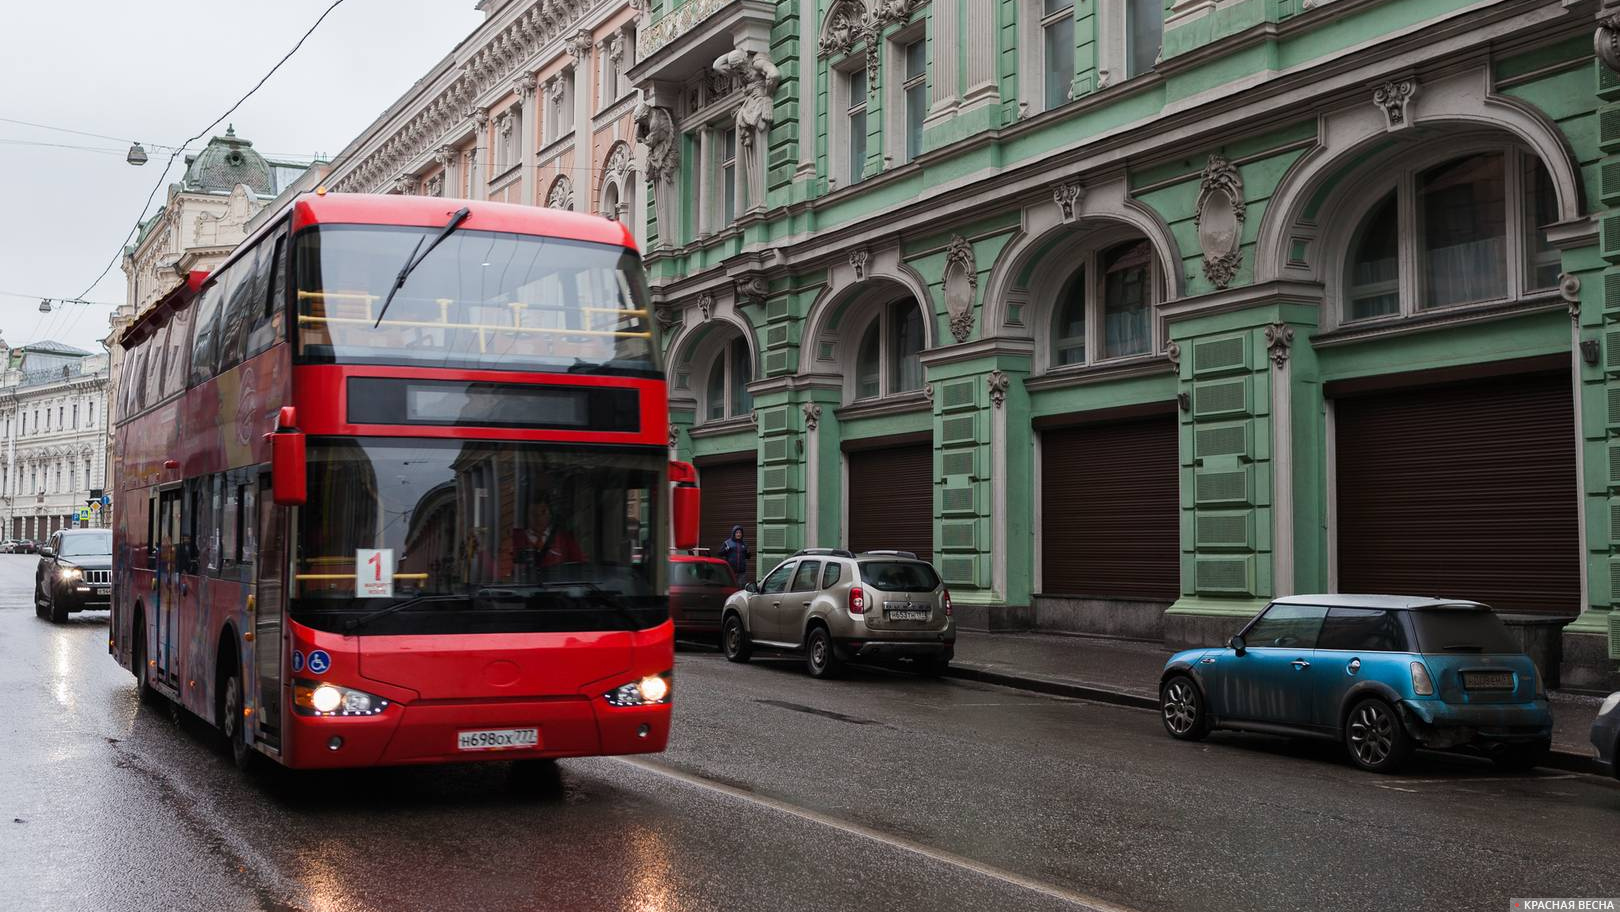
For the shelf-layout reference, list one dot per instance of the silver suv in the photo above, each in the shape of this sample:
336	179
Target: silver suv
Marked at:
836	606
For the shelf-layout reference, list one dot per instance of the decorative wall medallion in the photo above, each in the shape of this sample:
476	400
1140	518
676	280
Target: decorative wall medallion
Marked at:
1220	215
1569	287
998	381
1392	98
841	29
1607	41
562	194
1172	350
1279	337
674	436
961	285
752	290
812	415
851	23
435	185
1070	197
705	305
858	259
928	392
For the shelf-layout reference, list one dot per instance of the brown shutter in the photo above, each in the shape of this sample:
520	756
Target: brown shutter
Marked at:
891	499
1110	511
1462	491
728	498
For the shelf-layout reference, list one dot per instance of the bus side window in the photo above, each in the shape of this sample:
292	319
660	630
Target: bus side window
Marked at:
178	344
271	288
137	375
238	311
157	391
204	331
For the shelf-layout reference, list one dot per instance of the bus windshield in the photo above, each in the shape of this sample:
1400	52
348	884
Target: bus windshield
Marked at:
481	299
481	537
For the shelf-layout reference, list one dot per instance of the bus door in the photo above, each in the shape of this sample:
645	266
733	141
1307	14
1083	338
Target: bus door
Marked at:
171	560
269	607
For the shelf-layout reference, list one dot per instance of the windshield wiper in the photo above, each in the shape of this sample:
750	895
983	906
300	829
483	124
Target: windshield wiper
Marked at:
413	261
365	619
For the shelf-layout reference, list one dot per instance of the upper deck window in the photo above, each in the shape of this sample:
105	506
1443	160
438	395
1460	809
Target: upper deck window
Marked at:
481	299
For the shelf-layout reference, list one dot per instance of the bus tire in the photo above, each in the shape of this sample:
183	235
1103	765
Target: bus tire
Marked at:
137	661
232	720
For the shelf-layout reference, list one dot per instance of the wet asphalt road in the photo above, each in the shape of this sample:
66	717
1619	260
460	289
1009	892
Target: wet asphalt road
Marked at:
883	791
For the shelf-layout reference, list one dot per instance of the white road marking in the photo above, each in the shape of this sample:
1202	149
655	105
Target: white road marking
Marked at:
1089	903
1454	780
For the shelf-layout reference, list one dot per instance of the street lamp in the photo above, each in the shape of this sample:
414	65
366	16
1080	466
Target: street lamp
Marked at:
137	155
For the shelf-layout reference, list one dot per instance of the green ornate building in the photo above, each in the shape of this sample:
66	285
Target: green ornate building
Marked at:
1134	314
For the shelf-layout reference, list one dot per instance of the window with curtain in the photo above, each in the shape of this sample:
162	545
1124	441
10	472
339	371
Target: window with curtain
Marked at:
856	123
1069	335
906	345
1470	230
728	177
1126	318
1057	47
868	363
726	391
1104	309
916	96
1144	27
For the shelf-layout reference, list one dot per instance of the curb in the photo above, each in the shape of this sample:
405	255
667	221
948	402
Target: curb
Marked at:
1568	761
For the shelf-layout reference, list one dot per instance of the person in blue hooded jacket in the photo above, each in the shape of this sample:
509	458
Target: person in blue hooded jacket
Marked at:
735	553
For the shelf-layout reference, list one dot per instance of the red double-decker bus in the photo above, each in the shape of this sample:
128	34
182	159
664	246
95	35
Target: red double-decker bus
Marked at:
394	488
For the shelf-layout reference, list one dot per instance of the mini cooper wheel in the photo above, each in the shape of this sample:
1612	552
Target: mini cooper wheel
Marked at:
1375	737
821	656
734	640
1181	707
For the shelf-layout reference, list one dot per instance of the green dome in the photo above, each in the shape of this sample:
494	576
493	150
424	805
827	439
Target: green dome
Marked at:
227	161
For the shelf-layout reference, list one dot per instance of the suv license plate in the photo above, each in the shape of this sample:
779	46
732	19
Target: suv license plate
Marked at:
498	739
906	615
1488	680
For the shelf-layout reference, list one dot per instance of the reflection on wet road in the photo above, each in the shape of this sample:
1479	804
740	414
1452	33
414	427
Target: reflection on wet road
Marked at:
883	791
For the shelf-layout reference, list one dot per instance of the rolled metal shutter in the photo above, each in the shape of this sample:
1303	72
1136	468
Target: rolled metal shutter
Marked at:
1110	511
728	497
1462	491
891	499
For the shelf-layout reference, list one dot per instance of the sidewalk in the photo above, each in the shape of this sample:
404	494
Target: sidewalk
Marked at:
1126	672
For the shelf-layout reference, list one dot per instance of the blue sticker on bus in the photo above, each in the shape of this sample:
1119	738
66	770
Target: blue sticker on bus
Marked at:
319	662
297	661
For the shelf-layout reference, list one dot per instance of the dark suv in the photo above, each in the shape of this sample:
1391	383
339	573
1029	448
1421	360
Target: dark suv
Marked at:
75	573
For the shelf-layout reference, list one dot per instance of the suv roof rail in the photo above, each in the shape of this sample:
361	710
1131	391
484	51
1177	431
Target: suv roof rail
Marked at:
830	552
910	554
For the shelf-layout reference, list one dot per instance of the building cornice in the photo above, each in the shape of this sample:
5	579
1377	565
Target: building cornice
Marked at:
1068	377
1242	297
900	404
1444	319
983	348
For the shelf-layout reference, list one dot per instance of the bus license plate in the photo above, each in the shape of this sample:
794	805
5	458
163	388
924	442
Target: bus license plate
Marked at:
498	739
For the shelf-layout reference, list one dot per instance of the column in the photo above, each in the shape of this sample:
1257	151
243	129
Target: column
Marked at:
528	122
478	178
982	87
944	51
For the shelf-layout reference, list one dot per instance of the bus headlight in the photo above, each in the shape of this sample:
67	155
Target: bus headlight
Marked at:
645	692
312	699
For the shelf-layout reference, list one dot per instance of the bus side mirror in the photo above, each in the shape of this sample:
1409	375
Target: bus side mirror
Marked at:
287	468
687	507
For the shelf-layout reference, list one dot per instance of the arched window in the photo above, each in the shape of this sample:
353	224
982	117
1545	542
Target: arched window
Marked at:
1105	309
610	202
726	392
1468	230
889	358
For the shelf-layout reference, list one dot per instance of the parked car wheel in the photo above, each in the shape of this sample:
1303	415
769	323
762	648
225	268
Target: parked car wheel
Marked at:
734	640
821	657
1521	758
1375	737
1181	707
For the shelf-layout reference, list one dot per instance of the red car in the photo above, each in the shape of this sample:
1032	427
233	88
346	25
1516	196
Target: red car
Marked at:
698	589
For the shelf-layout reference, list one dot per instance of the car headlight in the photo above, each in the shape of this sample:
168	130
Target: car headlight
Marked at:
70	573
1609	703
312	699
648	691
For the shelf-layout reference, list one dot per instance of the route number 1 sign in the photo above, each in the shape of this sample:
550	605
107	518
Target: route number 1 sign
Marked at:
374	573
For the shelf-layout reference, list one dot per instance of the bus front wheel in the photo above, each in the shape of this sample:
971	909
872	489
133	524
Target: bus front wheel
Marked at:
232	718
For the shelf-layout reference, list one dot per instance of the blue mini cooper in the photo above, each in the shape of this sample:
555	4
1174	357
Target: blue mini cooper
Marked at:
1382	674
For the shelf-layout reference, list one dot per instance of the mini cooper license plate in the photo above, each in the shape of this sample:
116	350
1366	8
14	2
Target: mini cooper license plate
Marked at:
1488	680
498	739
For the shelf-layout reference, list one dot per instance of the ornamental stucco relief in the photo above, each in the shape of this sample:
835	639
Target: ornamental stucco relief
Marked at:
1220	215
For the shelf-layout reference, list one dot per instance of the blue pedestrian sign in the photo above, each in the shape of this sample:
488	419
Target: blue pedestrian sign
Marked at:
319	662
106	499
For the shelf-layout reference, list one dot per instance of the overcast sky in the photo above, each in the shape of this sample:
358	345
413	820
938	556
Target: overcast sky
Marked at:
158	72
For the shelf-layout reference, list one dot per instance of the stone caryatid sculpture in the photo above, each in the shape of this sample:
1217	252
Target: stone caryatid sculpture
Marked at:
759	78
655	130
